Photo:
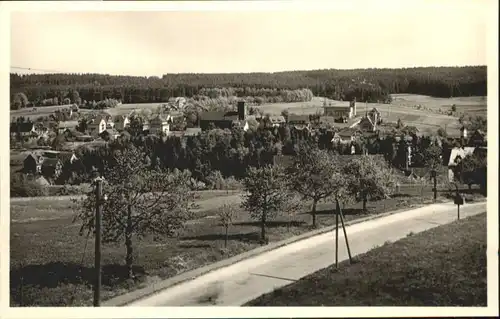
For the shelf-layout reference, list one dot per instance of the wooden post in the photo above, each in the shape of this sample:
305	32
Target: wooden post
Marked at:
337	237
345	233
458	211
97	260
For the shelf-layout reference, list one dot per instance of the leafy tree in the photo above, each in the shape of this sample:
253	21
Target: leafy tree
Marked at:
399	124
441	132
226	214
472	169
267	194
478	123
367	177
312	176
141	201
433	156
58	142
19	101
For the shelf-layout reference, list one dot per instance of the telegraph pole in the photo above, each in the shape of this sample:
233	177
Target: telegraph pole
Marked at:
434	178
337	238
345	231
97	260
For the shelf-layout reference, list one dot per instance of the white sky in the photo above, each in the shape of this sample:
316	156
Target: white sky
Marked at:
379	34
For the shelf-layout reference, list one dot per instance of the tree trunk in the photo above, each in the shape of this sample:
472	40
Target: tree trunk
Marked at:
263	229
364	202
128	243
225	241
313	212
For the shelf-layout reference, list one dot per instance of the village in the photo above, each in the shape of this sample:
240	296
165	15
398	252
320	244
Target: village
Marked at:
339	125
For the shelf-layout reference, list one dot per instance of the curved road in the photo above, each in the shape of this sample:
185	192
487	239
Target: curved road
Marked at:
246	280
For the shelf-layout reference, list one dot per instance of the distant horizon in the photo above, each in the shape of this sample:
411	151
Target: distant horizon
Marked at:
255	72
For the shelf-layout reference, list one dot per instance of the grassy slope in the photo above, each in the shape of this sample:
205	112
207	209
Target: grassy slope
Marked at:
444	266
46	251
428	119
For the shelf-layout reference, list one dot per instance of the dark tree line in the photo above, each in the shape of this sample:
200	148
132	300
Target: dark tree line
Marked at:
230	153
366	85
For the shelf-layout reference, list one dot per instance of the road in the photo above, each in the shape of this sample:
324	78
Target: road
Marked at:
246	280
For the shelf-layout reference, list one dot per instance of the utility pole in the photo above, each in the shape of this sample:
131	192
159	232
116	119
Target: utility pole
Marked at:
97	260
339	213
434	178
337	238
345	231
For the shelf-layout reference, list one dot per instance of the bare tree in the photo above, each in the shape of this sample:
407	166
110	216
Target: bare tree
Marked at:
226	215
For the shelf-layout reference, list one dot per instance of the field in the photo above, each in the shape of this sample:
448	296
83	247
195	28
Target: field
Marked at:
49	267
444	266
427	119
40	111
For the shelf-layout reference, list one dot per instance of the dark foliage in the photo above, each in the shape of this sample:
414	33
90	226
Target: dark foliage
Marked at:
369	85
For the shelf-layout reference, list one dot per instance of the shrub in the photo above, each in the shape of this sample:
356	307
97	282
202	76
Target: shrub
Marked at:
24	186
216	181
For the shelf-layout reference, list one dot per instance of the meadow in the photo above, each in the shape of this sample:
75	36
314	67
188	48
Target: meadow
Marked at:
424	112
51	265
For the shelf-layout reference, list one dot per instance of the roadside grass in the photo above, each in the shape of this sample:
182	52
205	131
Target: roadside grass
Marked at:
444	266
46	254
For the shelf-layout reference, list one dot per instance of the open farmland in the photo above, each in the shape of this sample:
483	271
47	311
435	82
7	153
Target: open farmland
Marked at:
39	111
473	105
427	119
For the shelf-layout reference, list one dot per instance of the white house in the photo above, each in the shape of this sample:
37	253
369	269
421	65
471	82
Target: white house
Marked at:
97	126
159	125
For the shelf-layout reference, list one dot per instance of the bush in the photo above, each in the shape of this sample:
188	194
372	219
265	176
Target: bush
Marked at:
66	190
216	181
24	186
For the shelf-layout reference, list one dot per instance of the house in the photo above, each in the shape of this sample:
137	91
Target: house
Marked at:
273	120
326	121
225	120
84	138
190	131
66	125
32	164
341	111
299	122
121	122
456	155
51	168
26	129
159	125
97	126
110	123
367	124
345	136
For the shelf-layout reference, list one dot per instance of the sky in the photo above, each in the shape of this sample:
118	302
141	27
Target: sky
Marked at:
146	43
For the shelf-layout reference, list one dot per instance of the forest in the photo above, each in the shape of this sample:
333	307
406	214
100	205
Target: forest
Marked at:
364	85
